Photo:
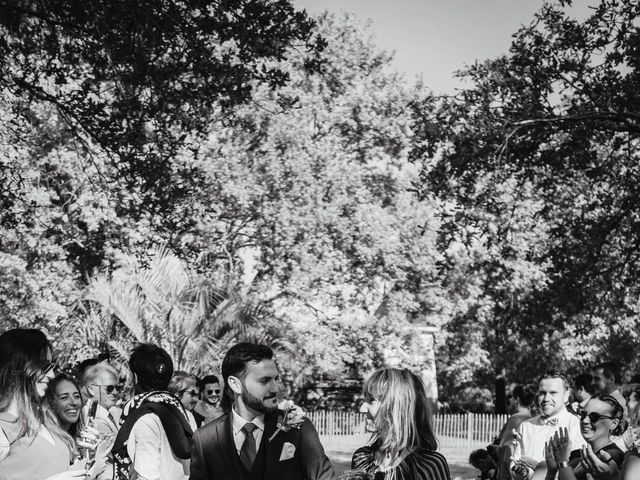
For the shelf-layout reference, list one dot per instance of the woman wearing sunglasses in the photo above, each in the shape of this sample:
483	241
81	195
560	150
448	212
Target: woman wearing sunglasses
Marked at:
600	458
185	386
33	446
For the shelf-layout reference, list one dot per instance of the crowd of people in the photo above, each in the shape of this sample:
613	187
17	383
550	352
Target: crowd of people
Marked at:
56	425
59	426
585	430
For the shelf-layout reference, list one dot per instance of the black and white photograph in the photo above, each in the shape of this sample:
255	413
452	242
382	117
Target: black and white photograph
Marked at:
319	239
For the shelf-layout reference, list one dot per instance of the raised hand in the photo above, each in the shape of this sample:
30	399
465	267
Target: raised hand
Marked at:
549	459
600	468
561	445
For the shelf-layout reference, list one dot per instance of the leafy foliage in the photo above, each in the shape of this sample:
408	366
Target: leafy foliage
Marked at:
166	304
538	161
141	80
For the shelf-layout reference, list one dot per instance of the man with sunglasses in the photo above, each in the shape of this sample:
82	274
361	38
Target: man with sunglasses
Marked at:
209	407
533	434
100	384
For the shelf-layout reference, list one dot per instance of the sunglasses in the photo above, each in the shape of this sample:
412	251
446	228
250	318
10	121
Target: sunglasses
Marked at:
594	417
212	392
46	367
193	393
109	388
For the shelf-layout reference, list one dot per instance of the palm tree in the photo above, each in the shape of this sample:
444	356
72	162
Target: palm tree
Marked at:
165	303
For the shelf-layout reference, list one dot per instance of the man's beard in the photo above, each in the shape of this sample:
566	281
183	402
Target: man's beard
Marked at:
255	403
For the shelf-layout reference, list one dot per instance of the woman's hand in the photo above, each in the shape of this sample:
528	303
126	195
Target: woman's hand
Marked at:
89	437
522	468
552	465
561	445
600	468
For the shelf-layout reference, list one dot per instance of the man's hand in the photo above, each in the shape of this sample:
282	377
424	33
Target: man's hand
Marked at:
602	468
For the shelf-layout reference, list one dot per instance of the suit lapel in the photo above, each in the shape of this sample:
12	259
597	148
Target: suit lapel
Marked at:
272	448
228	446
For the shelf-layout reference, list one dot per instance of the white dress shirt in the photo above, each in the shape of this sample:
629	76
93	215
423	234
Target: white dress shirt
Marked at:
535	431
151	454
238	434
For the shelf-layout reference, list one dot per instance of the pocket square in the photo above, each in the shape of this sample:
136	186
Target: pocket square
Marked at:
288	451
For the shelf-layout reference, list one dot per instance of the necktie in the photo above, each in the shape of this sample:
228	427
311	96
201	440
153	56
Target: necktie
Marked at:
248	450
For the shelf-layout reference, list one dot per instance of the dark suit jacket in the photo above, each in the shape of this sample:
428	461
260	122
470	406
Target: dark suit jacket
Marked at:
214	455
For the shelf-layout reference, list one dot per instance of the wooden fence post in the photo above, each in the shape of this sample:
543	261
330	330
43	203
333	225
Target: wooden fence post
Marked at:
469	430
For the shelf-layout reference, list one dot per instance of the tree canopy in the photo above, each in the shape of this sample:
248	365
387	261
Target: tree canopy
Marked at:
140	80
539	163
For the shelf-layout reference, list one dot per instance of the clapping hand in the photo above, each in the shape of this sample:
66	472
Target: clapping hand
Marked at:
549	459
560	445
599	468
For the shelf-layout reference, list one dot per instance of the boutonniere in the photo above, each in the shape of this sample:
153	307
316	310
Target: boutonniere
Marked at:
293	418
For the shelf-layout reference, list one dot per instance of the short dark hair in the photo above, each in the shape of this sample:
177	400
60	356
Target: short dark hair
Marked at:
585	381
552	373
209	379
235	363
524	395
480	455
617	412
236	360
609	370
152	366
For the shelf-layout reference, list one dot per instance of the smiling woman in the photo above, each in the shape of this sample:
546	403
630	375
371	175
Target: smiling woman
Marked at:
32	444
602	417
65	400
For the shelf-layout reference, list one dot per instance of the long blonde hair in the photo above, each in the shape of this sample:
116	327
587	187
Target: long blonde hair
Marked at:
22	352
403	420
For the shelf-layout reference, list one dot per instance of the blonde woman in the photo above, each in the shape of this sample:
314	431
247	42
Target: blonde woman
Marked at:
403	444
33	446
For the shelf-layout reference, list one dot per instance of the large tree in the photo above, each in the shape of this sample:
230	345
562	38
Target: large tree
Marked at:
316	205
539	159
139	81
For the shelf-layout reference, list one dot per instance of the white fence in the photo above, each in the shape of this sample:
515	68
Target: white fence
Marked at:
345	431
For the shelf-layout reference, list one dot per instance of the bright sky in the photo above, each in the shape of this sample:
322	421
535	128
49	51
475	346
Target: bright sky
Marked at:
433	38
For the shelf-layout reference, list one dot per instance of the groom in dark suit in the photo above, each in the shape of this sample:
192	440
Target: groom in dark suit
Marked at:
240	445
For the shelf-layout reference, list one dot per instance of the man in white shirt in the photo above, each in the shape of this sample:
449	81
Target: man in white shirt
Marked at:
154	440
553	394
